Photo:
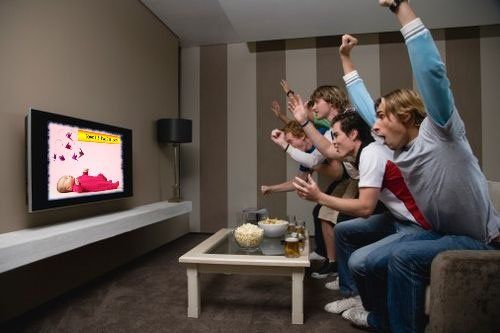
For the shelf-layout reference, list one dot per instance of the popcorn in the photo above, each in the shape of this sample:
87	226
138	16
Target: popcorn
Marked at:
273	221
248	235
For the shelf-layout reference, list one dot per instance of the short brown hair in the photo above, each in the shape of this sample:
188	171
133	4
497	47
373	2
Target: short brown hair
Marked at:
350	120
333	95
294	128
403	102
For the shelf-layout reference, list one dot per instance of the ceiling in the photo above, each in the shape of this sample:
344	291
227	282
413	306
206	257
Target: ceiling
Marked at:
209	22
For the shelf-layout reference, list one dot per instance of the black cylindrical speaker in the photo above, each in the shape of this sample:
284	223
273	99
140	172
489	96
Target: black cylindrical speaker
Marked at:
174	130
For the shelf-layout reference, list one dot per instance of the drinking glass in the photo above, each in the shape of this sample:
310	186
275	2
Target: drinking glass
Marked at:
292	247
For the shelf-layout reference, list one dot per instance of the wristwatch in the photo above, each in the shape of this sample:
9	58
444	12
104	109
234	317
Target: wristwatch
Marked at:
395	5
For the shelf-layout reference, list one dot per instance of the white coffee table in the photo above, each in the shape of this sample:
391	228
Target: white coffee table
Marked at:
220	254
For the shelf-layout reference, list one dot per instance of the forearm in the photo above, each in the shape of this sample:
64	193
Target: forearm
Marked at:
360	97
284	119
405	14
347	64
288	185
283	187
322	144
306	159
353	207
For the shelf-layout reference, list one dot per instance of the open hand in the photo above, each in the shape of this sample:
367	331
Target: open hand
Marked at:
285	87
307	190
298	109
275	107
348	43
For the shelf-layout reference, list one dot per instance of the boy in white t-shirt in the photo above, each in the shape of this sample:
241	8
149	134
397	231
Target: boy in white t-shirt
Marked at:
379	179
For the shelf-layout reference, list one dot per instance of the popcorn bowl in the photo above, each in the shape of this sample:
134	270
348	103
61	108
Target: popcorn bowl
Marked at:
248	236
273	227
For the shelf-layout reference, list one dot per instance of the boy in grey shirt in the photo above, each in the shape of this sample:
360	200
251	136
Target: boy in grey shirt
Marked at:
441	172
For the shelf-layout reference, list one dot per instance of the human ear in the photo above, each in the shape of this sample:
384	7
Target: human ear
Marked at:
407	119
353	135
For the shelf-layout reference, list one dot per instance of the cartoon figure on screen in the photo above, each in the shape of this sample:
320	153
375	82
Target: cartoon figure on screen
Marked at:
85	183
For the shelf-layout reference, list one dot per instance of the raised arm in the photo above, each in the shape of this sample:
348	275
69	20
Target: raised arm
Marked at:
276	109
325	147
348	43
308	160
289	92
358	94
428	68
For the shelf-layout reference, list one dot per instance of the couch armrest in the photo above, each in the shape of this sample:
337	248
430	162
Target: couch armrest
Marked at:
465	292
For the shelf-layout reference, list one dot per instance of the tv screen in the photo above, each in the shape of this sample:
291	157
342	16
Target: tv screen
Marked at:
72	161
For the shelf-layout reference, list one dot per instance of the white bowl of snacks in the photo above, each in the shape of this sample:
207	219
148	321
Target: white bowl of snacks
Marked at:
273	227
248	236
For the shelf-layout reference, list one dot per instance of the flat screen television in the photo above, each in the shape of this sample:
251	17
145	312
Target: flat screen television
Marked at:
73	161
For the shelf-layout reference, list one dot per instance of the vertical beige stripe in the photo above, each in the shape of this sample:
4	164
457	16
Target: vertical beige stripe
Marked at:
395	70
241	129
366	58
490	75
213	137
271	160
190	152
301	75
464	70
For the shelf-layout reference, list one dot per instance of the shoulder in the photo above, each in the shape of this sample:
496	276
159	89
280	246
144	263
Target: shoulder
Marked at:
376	151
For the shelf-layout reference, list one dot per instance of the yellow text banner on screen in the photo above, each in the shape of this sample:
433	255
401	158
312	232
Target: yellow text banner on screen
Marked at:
89	136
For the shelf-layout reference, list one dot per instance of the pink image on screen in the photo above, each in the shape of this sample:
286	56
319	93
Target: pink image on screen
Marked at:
98	157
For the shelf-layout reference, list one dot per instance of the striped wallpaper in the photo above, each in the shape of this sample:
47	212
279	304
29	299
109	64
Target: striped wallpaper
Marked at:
227	91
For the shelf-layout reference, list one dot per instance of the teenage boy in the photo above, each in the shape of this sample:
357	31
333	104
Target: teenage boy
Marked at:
329	101
442	173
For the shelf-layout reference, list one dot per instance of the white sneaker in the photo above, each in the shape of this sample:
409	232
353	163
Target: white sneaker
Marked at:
333	285
340	306
315	256
358	316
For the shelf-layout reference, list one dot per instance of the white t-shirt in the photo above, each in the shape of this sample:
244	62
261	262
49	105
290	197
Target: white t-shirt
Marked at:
376	169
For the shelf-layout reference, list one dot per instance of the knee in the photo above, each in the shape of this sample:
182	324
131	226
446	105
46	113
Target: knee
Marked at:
403	260
341	231
357	263
376	264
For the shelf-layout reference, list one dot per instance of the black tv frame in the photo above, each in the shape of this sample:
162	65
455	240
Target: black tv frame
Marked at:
37	160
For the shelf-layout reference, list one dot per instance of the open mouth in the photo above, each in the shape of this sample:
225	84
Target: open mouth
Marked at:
378	137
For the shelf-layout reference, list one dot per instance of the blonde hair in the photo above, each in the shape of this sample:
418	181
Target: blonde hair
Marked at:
293	127
61	188
333	95
403	103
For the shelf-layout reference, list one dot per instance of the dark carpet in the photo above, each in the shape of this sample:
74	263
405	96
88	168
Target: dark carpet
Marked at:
150	295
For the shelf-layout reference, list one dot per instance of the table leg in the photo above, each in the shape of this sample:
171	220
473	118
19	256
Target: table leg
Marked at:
298	296
193	291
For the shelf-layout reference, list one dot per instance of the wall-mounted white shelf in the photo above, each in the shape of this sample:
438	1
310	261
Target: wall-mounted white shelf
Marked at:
22	247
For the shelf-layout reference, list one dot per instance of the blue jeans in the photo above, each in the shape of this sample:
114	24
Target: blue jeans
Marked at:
398	273
355	239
